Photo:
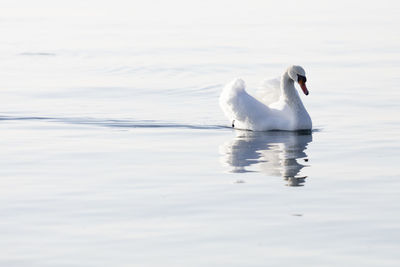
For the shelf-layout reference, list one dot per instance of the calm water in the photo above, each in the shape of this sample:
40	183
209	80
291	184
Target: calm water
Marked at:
114	151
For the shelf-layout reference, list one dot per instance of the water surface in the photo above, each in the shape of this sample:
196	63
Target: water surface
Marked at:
114	151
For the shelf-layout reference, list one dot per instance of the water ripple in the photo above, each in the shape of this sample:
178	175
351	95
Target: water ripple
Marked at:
118	123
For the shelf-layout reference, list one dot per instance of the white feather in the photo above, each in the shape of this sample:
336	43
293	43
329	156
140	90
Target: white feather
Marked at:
269	91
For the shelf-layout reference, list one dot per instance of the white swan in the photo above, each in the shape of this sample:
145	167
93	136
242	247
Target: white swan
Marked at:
279	109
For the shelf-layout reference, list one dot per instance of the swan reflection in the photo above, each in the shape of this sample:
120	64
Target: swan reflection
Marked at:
273	153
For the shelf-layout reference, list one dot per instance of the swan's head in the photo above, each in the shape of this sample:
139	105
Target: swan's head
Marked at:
297	74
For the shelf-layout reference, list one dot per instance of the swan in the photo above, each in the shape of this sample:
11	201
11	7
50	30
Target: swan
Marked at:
279	107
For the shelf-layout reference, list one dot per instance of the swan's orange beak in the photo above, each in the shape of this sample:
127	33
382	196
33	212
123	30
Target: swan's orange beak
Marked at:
303	87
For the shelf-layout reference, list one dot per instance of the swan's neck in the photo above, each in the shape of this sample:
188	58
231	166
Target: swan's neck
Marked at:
289	93
299	117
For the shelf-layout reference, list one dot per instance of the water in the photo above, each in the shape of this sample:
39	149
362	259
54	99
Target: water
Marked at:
114	151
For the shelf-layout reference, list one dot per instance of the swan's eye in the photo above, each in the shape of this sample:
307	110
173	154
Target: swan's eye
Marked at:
301	78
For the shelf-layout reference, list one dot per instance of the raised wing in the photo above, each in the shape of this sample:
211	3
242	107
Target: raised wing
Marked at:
269	91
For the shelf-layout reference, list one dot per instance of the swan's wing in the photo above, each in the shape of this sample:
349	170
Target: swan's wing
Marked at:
238	105
229	94
269	91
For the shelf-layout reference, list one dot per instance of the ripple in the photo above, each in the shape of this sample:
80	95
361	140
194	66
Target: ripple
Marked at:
115	123
36	54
